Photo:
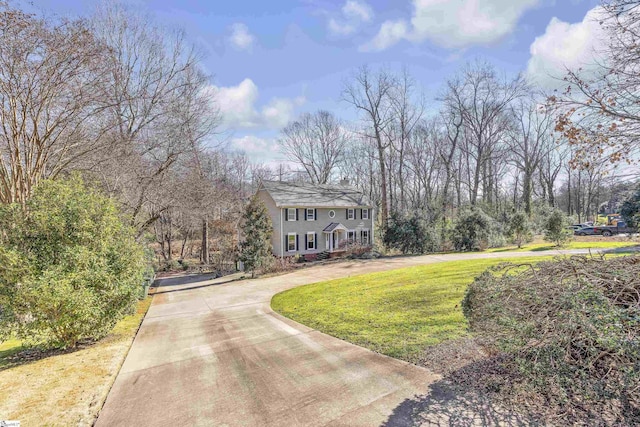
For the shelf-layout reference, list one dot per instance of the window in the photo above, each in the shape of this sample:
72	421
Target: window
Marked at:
365	213
351	236
365	236
292	213
311	214
292	240
311	241
332	214
351	214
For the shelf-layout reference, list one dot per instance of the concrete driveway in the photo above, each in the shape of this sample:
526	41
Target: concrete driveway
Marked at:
212	352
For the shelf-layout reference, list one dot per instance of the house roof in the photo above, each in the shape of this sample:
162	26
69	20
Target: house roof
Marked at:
334	226
315	195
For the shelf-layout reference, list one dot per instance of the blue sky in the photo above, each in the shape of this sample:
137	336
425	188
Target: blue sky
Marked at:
273	59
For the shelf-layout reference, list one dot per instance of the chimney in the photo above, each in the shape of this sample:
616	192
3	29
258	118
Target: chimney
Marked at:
344	182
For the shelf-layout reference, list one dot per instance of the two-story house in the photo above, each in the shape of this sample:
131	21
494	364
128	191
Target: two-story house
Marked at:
310	219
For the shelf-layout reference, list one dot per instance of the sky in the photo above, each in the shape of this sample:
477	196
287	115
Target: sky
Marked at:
272	60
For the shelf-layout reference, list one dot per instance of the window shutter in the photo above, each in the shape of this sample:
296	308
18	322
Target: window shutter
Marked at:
304	213
297	218
346	213
315	241
361	213
286	214
297	245
315	214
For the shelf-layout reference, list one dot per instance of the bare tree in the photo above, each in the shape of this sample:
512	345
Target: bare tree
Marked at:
158	110
369	92
482	100
317	142
51	74
530	140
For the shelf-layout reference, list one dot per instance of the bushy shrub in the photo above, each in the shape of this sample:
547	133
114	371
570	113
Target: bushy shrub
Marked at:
280	265
630	209
571	329
410	235
556	228
73	268
519	229
475	230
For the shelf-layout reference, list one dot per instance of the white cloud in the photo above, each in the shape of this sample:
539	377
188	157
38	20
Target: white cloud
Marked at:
565	46
340	28
353	14
237	105
252	144
358	10
453	24
240	37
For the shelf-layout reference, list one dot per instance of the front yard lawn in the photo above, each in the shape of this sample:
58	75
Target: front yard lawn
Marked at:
574	244
64	388
398	313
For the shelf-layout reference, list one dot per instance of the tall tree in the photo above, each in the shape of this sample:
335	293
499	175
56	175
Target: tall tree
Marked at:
51	77
317	142
530	139
257	228
369	92
156	99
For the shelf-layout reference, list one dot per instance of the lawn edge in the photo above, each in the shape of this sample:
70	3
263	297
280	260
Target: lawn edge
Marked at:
121	363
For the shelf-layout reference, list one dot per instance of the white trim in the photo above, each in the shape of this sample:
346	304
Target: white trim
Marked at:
313	214
295	213
295	242
368	242
373	224
315	244
351	214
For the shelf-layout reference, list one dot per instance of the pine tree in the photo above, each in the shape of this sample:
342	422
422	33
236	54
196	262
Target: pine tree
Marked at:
257	228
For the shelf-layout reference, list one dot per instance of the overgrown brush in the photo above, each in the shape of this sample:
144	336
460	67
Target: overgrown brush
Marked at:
570	328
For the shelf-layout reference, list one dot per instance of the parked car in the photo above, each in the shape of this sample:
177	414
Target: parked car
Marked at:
595	231
579	226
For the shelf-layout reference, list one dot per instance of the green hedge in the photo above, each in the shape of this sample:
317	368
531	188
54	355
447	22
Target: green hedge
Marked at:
73	268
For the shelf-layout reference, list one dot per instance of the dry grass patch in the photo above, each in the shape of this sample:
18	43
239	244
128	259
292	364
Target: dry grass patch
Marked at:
64	388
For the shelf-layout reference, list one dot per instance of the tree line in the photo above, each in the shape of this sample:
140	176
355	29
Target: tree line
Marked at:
486	139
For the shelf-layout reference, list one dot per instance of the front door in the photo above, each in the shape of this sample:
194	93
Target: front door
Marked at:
327	241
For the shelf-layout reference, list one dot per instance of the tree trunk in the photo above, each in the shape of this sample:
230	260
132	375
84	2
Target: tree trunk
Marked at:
204	253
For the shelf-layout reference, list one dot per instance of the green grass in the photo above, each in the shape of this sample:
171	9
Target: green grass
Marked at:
65	388
540	247
397	313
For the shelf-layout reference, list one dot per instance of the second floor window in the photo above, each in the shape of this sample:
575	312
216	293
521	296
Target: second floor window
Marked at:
311	214
351	214
365	213
291	214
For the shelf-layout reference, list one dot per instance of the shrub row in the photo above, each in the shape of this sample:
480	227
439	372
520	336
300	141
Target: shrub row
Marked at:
572	330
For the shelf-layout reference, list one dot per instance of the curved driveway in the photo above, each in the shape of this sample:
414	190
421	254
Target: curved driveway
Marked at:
212	352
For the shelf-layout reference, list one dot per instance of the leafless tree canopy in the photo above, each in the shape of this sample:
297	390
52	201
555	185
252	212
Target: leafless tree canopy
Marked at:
50	80
317	142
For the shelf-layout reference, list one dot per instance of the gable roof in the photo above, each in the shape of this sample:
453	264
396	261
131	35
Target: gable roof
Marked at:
314	195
